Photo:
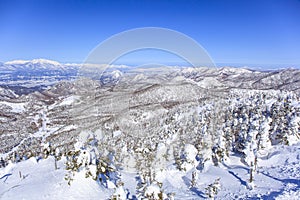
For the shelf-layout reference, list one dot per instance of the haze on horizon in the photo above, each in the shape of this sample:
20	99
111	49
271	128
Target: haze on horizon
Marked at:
254	33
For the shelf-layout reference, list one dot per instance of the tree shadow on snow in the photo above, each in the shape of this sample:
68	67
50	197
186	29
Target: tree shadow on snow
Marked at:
285	181
235	167
195	190
274	194
241	180
5	177
186	181
198	192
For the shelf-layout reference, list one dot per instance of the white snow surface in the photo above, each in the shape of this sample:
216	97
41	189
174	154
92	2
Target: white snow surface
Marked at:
69	100
277	177
15	107
40	180
209	82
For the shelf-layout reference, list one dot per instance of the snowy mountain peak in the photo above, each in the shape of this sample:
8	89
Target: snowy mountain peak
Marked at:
34	61
44	61
16	62
234	70
116	73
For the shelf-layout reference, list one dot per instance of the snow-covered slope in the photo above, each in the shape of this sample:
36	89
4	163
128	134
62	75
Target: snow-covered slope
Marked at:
7	94
277	177
184	133
39	180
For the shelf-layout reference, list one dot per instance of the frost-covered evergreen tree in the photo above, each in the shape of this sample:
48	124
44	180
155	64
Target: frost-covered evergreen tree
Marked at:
86	158
264	141
2	162
120	193
213	189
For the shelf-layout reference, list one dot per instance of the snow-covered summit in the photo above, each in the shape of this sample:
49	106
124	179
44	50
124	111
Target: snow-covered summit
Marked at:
117	73
45	61
234	70
34	61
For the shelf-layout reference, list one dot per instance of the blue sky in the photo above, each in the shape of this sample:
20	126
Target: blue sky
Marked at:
258	32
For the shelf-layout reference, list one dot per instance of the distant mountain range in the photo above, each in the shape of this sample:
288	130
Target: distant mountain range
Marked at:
25	76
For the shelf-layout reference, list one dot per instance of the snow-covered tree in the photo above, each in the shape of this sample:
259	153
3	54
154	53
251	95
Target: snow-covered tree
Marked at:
86	158
213	189
120	193
2	162
264	141
194	179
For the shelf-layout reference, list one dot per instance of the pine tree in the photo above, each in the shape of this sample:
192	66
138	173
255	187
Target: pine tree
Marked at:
213	189
2	163
194	179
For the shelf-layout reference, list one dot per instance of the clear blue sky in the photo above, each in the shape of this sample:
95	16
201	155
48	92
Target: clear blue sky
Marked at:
232	31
